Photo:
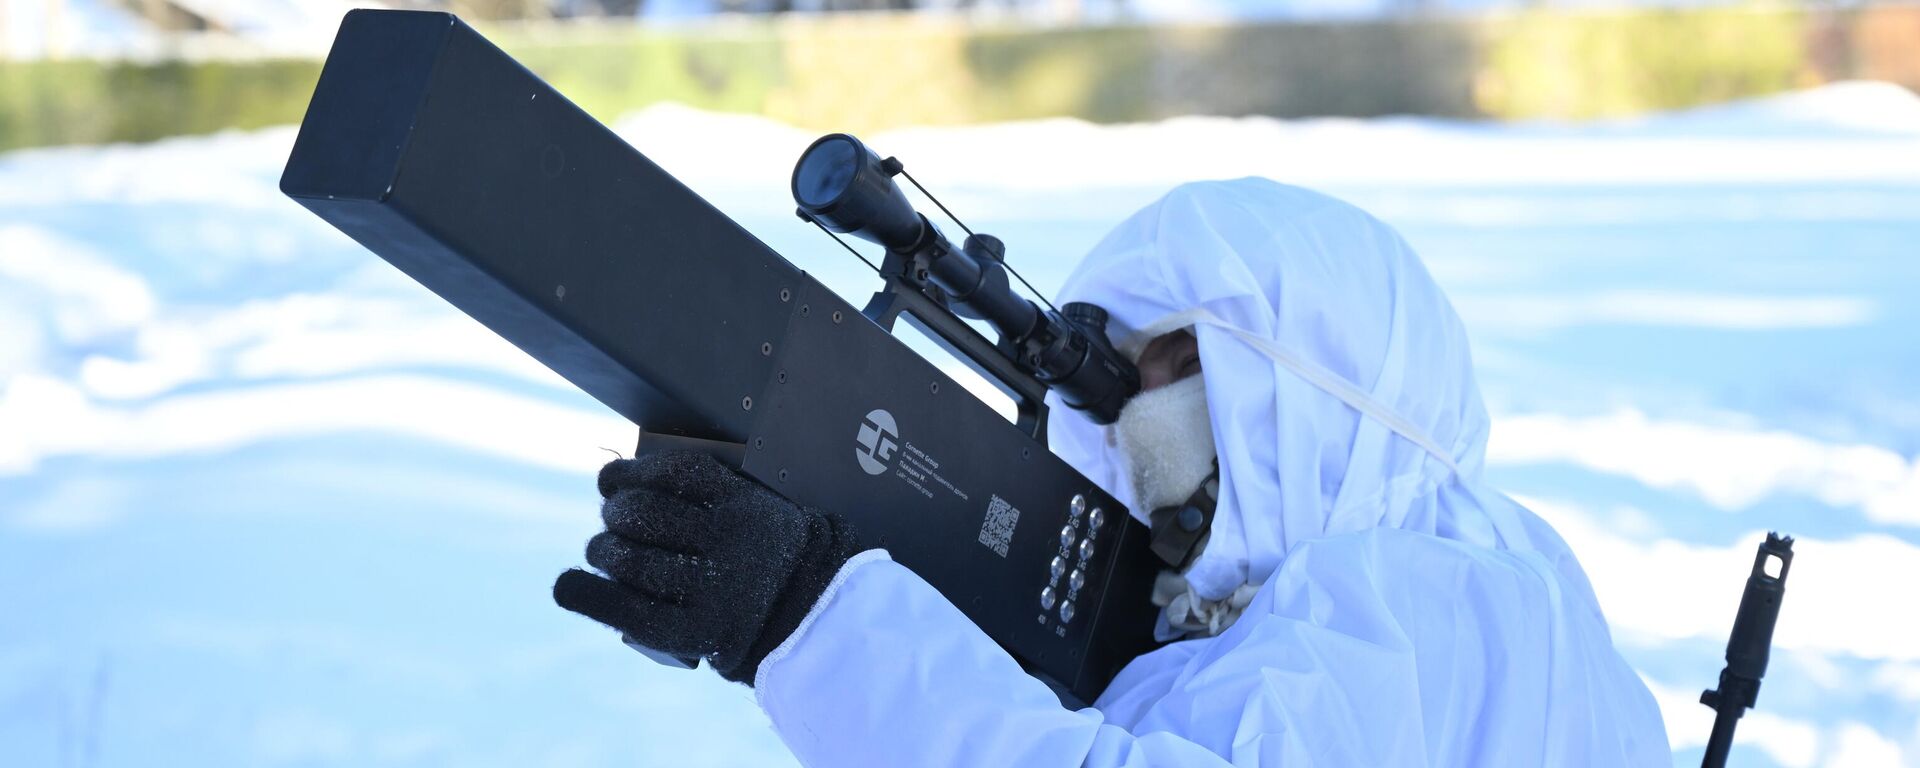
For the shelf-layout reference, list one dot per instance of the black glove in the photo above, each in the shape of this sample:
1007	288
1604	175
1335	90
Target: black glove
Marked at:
705	562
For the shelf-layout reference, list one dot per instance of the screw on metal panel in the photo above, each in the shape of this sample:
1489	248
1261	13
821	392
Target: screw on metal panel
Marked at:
782	377
1026	453
836	315
766	348
783	478
759	442
560	292
786	295
934	388
746	403
805	309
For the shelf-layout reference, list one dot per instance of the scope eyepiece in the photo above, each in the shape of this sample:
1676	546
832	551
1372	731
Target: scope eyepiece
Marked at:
847	188
1089	316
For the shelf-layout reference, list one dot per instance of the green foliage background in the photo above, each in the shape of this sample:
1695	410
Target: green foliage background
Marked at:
867	72
1604	65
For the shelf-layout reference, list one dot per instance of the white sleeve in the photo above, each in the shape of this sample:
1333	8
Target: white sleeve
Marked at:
1387	648
885	671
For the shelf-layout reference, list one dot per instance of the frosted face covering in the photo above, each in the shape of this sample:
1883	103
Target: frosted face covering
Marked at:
1166	435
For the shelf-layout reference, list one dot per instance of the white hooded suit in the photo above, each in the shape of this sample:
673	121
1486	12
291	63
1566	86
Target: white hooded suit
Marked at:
1406	613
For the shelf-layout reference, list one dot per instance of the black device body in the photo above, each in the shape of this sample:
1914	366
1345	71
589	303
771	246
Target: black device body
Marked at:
444	156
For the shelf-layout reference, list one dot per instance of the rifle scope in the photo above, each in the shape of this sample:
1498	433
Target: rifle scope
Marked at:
844	187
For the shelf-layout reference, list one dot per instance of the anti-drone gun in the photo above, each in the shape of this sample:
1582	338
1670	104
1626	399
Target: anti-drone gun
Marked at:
448	159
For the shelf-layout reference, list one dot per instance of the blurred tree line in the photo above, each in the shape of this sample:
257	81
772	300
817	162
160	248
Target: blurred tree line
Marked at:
176	15
1553	64
559	9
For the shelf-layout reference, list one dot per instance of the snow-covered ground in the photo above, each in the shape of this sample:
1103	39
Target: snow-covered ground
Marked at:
265	501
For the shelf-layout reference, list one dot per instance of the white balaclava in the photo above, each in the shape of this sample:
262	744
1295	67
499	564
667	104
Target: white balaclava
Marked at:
1167	438
1337	380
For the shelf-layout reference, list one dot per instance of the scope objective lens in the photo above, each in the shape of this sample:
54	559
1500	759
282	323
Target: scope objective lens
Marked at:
825	172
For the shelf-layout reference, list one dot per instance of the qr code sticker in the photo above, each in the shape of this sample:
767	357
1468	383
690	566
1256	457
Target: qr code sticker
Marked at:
997	531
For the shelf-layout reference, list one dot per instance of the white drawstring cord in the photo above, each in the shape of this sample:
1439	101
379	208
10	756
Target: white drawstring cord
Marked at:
1327	381
1190	615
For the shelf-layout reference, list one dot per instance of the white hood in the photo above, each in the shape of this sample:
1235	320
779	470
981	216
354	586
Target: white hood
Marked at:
1340	296
1468	638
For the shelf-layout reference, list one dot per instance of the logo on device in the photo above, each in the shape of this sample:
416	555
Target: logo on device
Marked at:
876	441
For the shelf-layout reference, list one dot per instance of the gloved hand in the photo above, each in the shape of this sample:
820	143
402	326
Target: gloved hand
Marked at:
705	562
